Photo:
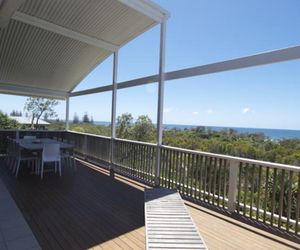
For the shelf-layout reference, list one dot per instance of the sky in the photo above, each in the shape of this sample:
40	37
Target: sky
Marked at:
201	32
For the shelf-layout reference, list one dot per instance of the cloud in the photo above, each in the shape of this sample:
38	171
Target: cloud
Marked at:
195	113
209	111
167	110
246	110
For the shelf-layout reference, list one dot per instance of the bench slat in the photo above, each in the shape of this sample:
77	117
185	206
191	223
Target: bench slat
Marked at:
168	223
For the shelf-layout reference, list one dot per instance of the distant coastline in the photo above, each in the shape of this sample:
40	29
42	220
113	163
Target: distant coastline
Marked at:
274	134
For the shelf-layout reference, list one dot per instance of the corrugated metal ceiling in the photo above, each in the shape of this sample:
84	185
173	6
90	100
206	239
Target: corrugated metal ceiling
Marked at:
37	58
103	19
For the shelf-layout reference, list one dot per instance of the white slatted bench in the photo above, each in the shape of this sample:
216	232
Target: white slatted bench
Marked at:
168	223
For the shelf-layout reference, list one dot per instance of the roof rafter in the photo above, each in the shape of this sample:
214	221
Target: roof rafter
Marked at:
37	22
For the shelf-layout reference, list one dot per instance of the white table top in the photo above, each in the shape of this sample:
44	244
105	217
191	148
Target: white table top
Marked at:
38	144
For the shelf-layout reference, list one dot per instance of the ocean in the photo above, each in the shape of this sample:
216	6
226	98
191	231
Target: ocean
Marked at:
274	134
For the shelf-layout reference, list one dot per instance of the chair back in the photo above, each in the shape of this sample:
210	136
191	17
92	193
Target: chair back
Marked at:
51	152
16	150
29	137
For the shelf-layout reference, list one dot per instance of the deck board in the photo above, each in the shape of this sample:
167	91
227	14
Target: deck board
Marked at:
80	210
90	210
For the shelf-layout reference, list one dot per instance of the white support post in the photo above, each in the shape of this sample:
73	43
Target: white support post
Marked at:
113	112
67	113
17	134
160	105
233	180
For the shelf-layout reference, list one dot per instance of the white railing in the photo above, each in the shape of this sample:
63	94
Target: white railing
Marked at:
262	191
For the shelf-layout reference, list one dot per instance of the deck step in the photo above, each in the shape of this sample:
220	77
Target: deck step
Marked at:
168	223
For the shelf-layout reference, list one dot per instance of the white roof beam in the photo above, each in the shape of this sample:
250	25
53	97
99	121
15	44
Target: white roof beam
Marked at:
91	91
7	9
30	91
148	9
122	85
37	22
270	57
276	56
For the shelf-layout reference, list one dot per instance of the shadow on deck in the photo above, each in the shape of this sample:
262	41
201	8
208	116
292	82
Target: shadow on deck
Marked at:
89	209
80	210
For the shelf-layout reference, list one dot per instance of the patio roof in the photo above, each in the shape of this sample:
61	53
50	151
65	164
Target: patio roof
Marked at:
48	47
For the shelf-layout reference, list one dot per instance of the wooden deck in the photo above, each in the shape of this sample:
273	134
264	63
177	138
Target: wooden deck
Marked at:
87	209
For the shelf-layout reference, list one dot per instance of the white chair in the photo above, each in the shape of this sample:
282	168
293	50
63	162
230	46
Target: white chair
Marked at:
51	153
21	155
68	155
29	137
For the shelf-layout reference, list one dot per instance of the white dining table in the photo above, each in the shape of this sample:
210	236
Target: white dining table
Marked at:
38	144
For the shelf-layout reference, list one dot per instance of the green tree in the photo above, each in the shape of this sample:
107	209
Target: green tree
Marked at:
75	119
124	122
200	130
85	118
7	123
37	106
143	129
15	113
